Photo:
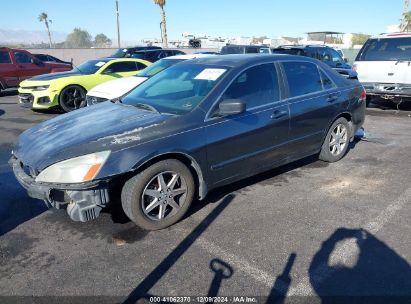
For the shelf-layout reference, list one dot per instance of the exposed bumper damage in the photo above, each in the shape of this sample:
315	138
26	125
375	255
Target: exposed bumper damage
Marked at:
389	90
83	202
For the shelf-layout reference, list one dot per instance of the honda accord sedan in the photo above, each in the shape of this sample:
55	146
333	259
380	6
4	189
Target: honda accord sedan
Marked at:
195	126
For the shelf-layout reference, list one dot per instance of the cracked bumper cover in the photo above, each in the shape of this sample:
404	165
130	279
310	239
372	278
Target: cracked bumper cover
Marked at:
388	89
83	201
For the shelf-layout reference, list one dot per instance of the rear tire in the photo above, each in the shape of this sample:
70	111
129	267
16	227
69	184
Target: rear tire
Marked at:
158	196
72	97
336	142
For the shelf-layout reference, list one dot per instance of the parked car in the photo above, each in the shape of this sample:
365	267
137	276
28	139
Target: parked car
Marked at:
114	89
323	53
244	49
49	58
68	90
127	52
154	55
383	67
17	65
195	126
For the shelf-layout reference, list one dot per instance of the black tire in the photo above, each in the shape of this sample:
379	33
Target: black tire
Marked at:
136	203
72	97
328	152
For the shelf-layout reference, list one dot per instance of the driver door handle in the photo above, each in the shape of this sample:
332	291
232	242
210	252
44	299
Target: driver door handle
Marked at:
333	97
278	114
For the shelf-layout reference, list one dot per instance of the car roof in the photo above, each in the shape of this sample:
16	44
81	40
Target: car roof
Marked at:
239	60
111	59
188	56
302	46
392	35
155	50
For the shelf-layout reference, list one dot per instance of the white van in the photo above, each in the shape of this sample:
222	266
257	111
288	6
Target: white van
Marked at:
384	67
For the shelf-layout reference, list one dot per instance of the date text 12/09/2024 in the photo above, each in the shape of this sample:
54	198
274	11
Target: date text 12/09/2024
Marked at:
222	299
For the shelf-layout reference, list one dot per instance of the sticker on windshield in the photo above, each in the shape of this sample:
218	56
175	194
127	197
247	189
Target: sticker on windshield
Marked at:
210	74
100	64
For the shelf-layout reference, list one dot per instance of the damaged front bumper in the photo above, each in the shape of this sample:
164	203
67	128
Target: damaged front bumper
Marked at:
388	90
83	202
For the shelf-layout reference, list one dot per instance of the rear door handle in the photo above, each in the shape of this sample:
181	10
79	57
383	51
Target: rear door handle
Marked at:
278	114
333	97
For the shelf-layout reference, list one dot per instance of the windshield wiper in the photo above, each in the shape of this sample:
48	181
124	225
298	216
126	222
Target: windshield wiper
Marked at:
139	105
403	60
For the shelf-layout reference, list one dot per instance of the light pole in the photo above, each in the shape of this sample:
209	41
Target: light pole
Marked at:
118	25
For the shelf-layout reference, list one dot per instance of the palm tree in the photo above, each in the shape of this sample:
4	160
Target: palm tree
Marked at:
407	19
44	18
161	4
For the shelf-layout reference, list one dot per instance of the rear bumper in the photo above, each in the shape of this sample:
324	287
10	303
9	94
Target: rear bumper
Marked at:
83	201
388	90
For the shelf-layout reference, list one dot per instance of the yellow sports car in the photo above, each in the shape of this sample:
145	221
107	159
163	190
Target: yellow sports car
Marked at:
68	89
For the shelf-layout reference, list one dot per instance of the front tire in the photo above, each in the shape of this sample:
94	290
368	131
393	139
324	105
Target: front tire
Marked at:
159	196
72	98
336	142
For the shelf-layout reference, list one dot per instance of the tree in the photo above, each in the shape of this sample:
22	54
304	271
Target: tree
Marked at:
407	18
43	17
102	40
161	4
359	38
78	39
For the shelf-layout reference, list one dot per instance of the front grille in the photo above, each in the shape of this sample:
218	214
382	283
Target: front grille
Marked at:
26	98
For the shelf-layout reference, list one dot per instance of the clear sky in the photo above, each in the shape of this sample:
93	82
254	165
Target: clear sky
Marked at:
227	18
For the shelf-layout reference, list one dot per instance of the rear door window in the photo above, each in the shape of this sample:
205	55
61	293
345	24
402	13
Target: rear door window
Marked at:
303	78
386	49
5	57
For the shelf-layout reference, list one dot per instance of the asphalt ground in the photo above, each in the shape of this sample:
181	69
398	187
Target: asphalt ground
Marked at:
309	231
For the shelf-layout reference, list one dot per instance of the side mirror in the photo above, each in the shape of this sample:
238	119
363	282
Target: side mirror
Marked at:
231	107
346	60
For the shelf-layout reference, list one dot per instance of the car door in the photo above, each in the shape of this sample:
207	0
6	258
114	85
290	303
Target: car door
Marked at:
245	143
314	100
8	70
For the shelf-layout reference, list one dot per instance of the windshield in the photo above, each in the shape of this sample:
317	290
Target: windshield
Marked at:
91	66
389	49
178	89
157	67
120	53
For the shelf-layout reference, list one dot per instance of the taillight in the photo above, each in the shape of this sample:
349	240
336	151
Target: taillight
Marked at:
354	67
363	96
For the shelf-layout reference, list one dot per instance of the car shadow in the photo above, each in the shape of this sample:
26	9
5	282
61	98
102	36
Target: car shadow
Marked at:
143	288
352	265
280	174
8	92
15	206
382	104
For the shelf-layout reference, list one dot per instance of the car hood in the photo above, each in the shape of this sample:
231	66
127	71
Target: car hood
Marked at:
106	126
116	88
53	76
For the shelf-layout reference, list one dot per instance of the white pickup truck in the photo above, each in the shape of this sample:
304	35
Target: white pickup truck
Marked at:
384	67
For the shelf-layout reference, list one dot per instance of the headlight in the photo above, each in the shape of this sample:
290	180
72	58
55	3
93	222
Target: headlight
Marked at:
41	88
75	170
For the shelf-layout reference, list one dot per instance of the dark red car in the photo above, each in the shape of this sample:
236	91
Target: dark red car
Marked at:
17	65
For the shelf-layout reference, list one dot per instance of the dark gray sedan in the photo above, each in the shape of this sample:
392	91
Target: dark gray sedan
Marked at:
196	126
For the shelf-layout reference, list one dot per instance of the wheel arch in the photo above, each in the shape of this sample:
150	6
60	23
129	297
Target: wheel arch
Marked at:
345	115
187	160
